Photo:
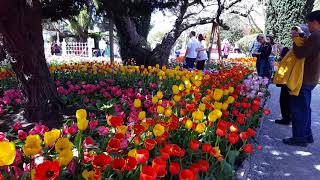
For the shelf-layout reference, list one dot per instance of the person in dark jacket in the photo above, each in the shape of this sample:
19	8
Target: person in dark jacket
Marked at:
263	65
284	97
300	109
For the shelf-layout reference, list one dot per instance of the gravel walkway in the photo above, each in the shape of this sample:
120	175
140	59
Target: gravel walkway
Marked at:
278	161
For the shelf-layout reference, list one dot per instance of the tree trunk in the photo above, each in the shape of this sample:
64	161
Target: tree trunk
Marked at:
22	32
132	45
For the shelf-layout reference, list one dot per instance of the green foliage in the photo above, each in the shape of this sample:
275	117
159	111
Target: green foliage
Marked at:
282	15
233	35
245	43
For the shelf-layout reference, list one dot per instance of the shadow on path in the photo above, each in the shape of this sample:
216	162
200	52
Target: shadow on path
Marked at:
278	161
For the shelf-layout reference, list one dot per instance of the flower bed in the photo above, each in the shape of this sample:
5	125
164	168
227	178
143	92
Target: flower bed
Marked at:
141	122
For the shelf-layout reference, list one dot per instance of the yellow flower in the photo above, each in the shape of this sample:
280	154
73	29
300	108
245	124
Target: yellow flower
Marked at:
181	87
160	110
158	130
132	153
65	157
226	92
201	127
137	103
82	124
168	112
7	153
88	175
231	89
216	151
189	124
32	145
122	129
81	114
51	137
230	100
176	98
212	116
63	144
175	89
155	100
225	106
202	107
159	95
198	116
217	105
217	94
142	115
217	112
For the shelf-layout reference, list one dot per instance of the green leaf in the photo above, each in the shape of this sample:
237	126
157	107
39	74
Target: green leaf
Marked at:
232	157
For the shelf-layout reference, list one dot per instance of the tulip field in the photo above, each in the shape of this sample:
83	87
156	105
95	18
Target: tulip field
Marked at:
138	122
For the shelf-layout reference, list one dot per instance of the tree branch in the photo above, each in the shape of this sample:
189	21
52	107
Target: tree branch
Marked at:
232	4
208	20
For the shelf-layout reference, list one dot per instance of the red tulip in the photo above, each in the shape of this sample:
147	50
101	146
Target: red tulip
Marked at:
116	121
101	161
131	163
149	144
113	145
206	148
194	145
259	148
221	132
267	112
204	165
233	138
142	156
251	132
148	173
233	128
248	148
244	135
174	168
187	174
138	129
118	164
195	168
160	166
165	155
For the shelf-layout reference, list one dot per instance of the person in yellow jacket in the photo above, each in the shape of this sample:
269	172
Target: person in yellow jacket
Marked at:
290	72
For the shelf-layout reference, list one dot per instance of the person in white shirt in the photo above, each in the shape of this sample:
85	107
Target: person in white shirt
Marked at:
191	53
202	54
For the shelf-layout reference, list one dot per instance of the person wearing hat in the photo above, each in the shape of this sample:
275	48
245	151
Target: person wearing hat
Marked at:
300	109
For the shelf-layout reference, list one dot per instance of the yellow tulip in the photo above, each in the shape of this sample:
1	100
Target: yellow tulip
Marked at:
132	153
159	95
158	130
81	114
189	124
176	98
200	128
198	116
226	92
88	175
7	153
225	106
218	113
175	89
160	109
142	115
218	105
230	100
82	124
137	103
63	144
32	145
202	107
168	112
155	100
212	116
65	157
217	94
231	89
122	129
51	137
181	87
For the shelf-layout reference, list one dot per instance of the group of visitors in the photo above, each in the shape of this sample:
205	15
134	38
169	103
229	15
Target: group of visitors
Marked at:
196	52
298	75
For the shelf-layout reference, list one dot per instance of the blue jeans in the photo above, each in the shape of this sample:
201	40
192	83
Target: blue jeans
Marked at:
263	68
300	113
190	62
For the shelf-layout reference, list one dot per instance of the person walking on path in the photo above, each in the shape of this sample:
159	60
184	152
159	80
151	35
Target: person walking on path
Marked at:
191	53
256	46
263	64
300	105
202	55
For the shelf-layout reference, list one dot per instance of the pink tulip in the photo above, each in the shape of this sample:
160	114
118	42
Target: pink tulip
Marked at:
102	131
93	124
